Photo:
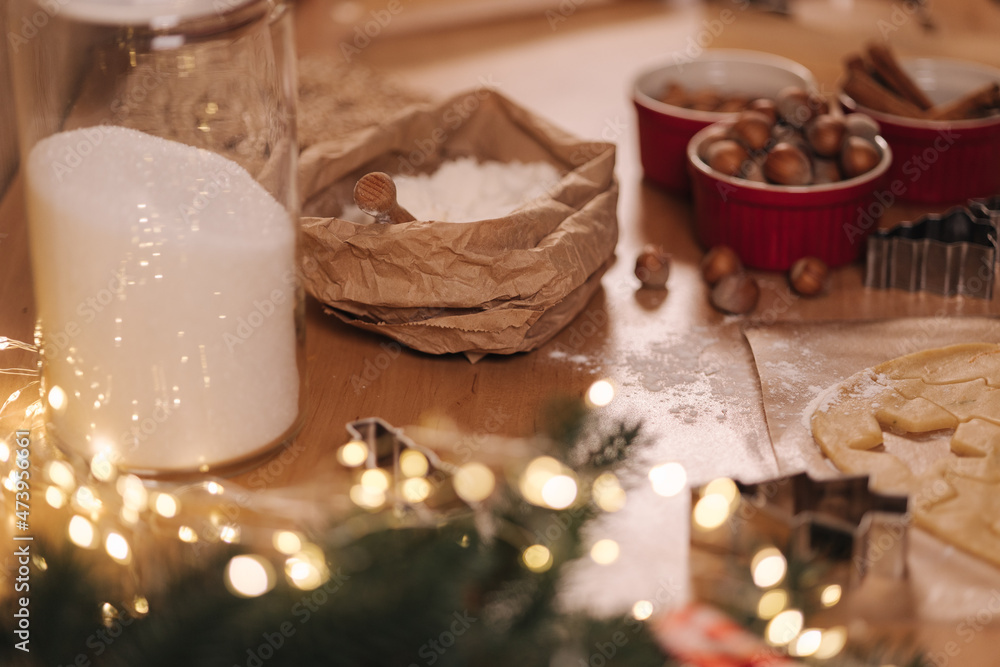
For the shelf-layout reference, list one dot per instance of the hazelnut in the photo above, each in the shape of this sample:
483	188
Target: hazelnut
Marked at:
818	105
753	171
858	156
793	106
737	294
727	157
705	100
652	266
752	129
808	276
825	171
861	125
787	165
675	94
825	134
715	134
732	104
718	263
766	107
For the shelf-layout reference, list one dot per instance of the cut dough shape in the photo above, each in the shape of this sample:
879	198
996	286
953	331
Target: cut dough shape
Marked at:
959	363
916	415
956	387
975	437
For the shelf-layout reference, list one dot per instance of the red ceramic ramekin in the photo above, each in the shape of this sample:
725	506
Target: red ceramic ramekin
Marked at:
665	130
942	162
772	226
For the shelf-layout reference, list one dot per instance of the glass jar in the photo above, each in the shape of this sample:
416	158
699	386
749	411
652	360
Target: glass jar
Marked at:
158	157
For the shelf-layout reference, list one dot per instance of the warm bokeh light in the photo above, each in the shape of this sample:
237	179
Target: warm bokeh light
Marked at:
133	492
806	644
768	567
57	398
229	534
366	497
86	500
249	576
81	532
537	558
286	542
55	497
668	479
102	468
642	610
474	482
772	603
165	505
724	487
187	534
62	475
413	463
608	492
117	547
4	452
534	477
140	605
831	595
353	454
833	642
375	480
600	394
784	627
416	490
215	488
559	492
710	512
605	552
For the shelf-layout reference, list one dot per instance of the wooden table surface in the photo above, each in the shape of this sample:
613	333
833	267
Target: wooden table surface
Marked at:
681	368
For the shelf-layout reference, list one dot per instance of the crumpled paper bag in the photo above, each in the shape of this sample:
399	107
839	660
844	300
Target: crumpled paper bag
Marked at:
496	286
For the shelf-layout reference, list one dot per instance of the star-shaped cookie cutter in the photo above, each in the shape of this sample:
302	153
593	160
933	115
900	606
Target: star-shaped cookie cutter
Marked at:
953	253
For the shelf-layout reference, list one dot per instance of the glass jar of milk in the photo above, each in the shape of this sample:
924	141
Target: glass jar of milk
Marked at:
158	155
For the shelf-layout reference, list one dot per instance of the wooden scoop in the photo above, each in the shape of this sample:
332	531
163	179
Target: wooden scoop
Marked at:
375	194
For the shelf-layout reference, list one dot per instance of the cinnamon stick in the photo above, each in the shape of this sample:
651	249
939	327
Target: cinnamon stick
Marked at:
887	67
867	92
968	105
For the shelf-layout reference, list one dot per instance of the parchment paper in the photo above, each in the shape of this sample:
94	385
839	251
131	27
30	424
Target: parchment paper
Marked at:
798	361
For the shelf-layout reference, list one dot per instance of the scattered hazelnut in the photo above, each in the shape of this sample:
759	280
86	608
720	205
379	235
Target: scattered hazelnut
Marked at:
858	156
793	105
675	94
787	165
737	294
727	156
752	129
825	134
766	107
718	263
861	125
652	266
808	276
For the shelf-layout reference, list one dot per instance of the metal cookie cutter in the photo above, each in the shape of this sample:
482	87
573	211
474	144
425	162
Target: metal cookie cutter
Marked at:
951	253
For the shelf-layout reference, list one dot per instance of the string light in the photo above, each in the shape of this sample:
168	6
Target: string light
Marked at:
353	454
608	493
537	558
600	394
784	627
642	610
768	567
249	576
474	482
668	479
605	552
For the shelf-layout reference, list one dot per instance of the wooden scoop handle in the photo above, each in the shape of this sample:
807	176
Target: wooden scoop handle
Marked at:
375	194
